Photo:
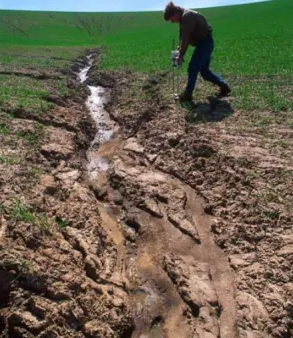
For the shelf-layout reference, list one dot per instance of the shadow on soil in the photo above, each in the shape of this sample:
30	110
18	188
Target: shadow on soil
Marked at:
215	111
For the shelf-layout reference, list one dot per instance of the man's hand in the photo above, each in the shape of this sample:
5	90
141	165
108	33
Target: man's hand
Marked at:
179	60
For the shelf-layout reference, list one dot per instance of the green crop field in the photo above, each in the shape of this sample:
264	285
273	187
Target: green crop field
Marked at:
254	44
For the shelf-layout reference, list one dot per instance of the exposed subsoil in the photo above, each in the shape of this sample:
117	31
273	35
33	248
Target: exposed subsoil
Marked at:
186	234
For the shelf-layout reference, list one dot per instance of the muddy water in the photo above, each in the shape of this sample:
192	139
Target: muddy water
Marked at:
83	74
97	164
104	125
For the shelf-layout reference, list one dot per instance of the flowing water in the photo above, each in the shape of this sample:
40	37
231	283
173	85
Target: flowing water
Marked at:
104	125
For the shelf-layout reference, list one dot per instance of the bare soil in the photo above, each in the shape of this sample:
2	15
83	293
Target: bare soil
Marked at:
188	234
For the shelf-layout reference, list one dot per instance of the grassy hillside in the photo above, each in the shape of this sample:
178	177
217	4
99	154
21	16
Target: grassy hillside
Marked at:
251	39
254	44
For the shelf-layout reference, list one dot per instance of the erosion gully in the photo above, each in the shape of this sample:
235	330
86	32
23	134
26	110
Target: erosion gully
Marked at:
179	282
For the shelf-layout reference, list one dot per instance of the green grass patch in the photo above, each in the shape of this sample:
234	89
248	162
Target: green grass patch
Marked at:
33	57
24	93
7	116
34	137
20	267
262	93
4	130
37	172
61	222
272	214
8	160
22	213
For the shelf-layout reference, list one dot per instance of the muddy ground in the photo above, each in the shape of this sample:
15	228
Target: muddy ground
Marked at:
187	234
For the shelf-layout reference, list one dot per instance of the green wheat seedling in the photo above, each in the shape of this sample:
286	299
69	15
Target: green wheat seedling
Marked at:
7	160
4	130
62	223
21	213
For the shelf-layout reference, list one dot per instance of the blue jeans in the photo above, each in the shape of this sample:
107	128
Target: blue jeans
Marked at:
200	62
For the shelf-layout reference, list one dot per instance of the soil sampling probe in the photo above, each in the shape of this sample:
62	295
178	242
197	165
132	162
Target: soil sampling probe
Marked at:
175	73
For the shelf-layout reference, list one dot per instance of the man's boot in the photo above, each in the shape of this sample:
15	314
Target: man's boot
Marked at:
224	89
186	96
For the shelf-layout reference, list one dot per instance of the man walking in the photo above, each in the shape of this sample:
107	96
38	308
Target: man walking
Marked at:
195	31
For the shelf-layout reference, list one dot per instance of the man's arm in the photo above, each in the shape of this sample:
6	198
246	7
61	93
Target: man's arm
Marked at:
188	27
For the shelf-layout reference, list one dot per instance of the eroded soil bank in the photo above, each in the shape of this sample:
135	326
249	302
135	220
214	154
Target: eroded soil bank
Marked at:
186	232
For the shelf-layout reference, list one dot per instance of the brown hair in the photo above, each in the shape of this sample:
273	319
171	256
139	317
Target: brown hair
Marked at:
170	10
